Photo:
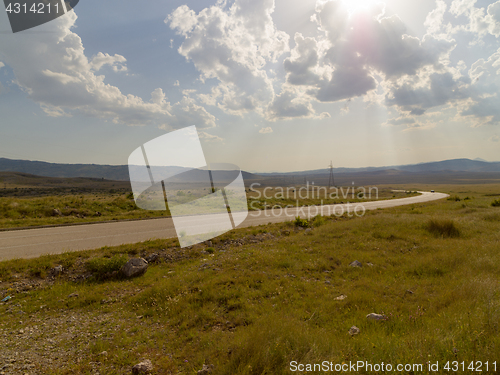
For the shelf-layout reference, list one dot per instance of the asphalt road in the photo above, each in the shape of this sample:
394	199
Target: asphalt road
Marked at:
31	243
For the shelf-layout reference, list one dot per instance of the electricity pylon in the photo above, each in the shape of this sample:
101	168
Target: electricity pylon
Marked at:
331	182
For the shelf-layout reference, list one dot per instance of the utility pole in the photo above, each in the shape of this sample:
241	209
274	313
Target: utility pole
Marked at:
331	182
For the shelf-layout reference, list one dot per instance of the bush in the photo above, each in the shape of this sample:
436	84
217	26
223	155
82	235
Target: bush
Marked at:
103	267
496	203
318	220
304	223
455	198
443	228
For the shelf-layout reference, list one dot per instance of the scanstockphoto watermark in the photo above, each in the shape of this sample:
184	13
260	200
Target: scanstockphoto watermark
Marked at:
314	192
327	366
261	197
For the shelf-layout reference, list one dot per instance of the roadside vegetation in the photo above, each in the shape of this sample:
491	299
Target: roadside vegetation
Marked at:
255	299
27	211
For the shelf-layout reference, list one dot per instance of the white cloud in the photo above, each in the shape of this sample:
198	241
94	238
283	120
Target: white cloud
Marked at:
494	19
363	54
290	104
1	65
434	20
266	130
301	65
459	7
209	137
51	67
117	62
186	113
402	120
232	45
481	21
343	63
494	138
484	104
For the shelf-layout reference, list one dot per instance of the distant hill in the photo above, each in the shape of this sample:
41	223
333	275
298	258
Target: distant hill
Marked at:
453	165
108	172
40	168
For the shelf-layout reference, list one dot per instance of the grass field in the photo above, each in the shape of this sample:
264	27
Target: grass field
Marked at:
103	205
262	297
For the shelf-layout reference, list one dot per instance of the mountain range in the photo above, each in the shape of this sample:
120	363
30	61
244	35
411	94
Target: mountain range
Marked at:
121	172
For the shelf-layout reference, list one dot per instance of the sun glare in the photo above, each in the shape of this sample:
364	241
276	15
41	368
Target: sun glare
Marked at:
354	5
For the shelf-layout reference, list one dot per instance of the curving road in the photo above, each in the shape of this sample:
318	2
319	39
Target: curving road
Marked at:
31	243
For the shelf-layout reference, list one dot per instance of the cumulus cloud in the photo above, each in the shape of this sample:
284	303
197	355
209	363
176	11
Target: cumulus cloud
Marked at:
434	20
484	102
342	63
232	45
188	112
361	54
300	66
117	62
435	90
266	130
481	21
287	105
53	70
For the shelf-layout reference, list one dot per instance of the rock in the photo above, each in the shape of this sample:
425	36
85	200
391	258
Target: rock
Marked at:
56	212
354	330
206	369
56	271
374	316
144	367
73	295
151	258
340	298
209	244
356	264
308	230
135	267
104	354
369	264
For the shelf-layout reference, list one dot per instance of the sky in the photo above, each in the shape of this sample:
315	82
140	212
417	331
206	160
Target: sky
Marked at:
271	85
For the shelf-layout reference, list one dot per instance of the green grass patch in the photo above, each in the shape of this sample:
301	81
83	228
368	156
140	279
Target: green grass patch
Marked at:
269	295
443	228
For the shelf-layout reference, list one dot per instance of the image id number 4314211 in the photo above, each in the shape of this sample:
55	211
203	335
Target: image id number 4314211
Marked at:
34	8
471	366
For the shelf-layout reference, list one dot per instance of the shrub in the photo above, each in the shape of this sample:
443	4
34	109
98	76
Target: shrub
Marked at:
210	250
103	267
304	223
455	198
318	220
443	228
496	203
